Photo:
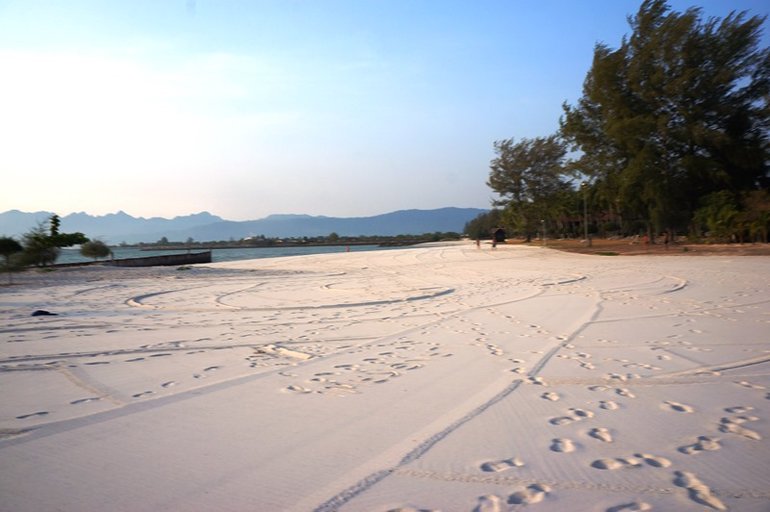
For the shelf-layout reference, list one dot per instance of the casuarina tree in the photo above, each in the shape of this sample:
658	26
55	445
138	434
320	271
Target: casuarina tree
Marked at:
531	180
677	112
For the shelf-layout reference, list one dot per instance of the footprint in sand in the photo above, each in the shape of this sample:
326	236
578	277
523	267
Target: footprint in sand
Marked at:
697	490
489	503
611	464
704	443
676	406
734	425
624	392
601	433
739	409
84	400
562	445
298	389
538	381
142	394
581	413
574	414
134	359
32	415
635	461
550	395
533	493
561	420
168	384
608	405
497	466
634	506
750	385
653	460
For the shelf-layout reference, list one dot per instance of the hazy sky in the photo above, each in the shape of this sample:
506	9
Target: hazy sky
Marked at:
247	108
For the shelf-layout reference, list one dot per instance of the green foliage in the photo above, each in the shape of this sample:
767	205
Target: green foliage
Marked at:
756	214
9	247
68	239
726	217
42	247
39	249
482	226
95	249
677	112
54	223
531	178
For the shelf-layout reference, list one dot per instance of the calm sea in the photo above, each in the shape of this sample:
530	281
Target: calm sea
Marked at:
217	255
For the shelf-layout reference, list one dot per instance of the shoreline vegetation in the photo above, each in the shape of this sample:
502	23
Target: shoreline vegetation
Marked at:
331	240
635	246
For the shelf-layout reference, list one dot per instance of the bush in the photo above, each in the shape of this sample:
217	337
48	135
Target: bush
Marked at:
95	249
9	247
38	249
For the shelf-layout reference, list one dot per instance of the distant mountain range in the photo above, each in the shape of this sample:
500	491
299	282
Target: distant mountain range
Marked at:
119	227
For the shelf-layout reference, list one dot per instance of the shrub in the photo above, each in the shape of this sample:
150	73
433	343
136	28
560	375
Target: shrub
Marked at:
95	249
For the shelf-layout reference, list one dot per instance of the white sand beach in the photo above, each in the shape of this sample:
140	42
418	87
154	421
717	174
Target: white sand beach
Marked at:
434	378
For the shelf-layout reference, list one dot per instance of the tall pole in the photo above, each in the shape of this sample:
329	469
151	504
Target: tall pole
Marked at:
585	214
542	222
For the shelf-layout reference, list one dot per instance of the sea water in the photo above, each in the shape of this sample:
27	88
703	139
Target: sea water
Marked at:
72	255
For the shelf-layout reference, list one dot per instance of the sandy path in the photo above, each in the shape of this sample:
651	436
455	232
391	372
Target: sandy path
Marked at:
436	378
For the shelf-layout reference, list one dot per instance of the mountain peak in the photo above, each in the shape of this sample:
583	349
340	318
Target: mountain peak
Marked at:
204	226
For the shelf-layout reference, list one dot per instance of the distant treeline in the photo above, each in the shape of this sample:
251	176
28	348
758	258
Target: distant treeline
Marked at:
332	239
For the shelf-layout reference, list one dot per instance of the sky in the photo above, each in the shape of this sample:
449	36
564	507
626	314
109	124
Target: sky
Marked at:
244	109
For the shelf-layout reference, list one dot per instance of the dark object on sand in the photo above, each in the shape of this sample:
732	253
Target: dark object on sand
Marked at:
498	235
43	312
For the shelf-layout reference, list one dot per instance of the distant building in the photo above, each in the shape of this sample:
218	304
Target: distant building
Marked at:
498	235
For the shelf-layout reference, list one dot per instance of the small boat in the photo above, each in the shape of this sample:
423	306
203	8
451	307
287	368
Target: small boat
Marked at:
164	261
